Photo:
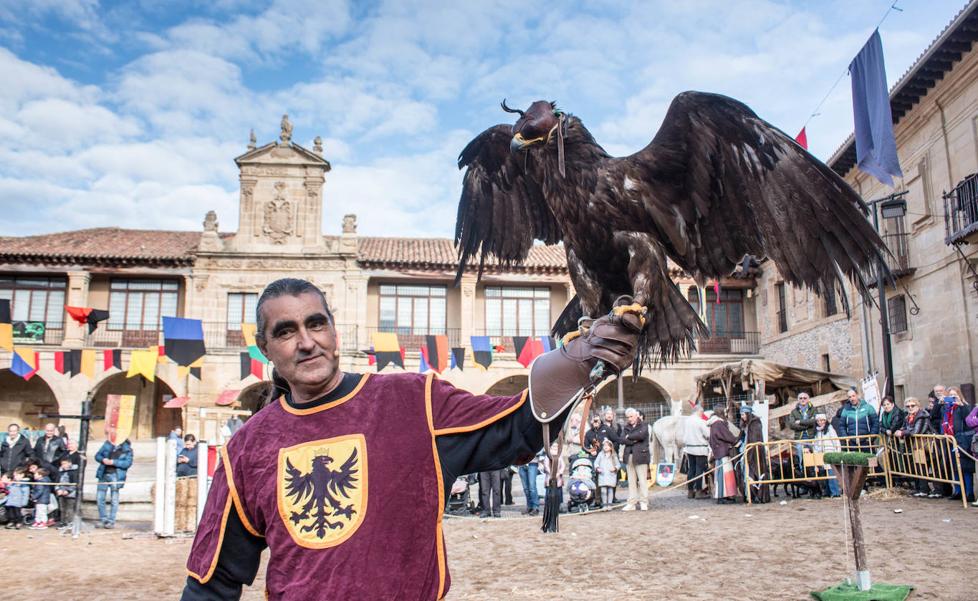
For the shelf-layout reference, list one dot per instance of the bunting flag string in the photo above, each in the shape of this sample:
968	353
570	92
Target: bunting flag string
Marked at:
87	315
183	340
437	352
528	348
248	333
387	350
111	358
481	351
458	358
24	362
251	366
6	326
142	362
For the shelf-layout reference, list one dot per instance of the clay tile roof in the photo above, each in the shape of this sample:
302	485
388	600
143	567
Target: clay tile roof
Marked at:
439	253
104	244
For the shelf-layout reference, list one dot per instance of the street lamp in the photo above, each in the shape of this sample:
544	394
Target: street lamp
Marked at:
892	207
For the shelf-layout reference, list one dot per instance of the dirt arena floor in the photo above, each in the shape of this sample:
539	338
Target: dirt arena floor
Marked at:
679	549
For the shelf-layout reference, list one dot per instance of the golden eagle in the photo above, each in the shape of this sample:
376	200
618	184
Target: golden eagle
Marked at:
715	184
323	486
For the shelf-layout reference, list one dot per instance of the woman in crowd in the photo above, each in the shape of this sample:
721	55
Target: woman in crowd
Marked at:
917	422
722	443
826	441
891	417
953	423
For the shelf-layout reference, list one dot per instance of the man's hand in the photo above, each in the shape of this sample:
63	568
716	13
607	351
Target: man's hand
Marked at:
107	461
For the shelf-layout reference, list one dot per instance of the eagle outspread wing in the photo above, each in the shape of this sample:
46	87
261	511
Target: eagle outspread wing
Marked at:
717	182
501	210
343	480
297	484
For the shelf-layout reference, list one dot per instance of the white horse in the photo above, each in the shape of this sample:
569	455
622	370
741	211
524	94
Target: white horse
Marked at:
667	435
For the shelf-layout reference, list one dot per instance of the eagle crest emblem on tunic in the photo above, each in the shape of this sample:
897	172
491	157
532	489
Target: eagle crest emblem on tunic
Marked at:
322	489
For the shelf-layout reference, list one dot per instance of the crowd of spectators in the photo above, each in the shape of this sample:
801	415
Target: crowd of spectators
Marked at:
39	478
716	452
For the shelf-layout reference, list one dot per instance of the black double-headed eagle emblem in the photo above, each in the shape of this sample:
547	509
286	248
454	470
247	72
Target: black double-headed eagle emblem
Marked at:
321	492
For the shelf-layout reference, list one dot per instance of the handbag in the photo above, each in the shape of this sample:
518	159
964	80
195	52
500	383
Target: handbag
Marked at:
684	465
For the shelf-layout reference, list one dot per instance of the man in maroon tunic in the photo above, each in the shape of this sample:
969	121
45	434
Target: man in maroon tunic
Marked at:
344	476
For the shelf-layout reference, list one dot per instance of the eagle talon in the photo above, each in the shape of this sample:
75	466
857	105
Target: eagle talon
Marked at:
634	308
569	336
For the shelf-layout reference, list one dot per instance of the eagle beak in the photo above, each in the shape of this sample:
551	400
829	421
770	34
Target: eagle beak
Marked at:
517	143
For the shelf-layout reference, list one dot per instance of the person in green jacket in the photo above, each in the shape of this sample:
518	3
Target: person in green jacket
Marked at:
802	421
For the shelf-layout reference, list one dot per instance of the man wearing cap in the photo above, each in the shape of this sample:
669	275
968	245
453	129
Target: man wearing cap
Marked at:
802	421
344	477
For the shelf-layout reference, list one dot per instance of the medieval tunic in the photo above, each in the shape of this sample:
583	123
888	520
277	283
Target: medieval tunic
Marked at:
348	492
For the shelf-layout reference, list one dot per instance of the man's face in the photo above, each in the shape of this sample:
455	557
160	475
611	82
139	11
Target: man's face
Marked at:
853	397
50	431
609	416
632	419
13	431
803	400
72	446
299	339
939	391
595	422
189	444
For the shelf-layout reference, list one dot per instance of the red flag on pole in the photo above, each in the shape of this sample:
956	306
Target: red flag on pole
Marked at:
802	139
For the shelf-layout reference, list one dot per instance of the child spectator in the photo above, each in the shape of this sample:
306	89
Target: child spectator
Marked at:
68	479
41	495
607	466
18	497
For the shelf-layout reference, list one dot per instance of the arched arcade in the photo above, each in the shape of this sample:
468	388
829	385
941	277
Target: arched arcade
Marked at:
23	401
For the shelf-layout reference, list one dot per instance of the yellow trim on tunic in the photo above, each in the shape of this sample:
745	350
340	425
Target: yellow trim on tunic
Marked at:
217	552
439	537
238	506
325	406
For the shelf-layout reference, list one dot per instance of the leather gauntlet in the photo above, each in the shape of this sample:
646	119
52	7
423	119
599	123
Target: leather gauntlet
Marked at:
557	378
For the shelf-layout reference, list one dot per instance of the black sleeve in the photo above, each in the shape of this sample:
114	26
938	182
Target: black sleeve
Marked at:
237	565
513	439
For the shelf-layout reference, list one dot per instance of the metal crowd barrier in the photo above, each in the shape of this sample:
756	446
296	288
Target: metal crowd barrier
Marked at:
928	457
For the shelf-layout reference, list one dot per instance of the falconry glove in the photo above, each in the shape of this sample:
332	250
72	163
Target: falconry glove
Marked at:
560	378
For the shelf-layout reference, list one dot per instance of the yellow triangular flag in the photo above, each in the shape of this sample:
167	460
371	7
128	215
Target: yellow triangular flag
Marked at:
88	363
7	336
248	332
183	372
143	363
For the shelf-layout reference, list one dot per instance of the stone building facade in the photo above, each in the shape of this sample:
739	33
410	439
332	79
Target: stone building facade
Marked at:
933	306
374	284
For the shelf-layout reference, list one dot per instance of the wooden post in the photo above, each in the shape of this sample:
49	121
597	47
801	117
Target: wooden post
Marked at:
852	478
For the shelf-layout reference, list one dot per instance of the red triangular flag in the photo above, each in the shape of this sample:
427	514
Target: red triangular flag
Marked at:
802	139
59	362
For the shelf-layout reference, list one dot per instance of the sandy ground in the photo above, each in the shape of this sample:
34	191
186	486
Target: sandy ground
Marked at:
724	552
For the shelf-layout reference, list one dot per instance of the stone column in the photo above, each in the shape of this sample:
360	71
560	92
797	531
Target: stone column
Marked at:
467	307
77	297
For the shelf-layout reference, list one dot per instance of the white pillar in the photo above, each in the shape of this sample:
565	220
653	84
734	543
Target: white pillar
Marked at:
158	498
202	479
77	297
170	489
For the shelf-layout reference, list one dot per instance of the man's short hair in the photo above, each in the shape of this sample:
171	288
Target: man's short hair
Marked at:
631	411
189	438
14	426
286	287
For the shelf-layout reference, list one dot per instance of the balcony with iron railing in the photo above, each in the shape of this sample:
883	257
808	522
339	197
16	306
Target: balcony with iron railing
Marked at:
36	333
217	336
961	212
898	261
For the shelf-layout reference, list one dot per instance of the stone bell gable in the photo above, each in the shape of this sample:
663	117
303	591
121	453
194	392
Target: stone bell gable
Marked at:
281	205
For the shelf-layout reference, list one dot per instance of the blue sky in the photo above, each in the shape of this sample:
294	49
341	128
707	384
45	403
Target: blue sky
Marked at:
129	113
